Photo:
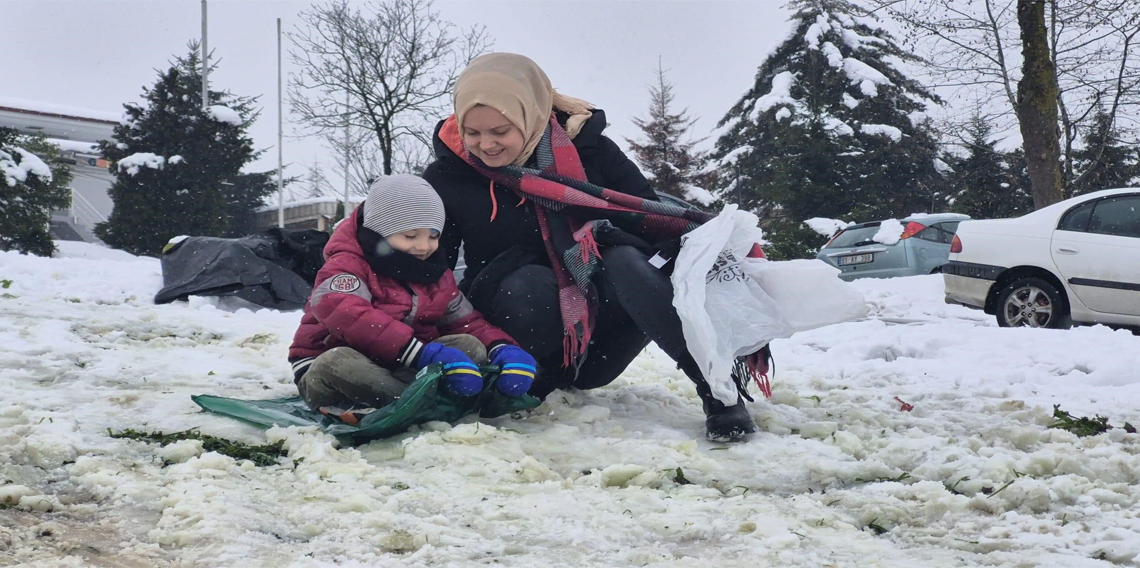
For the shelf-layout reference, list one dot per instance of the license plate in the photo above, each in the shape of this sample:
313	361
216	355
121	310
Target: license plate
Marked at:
856	259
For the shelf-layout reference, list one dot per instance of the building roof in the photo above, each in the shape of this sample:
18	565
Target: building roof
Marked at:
56	121
25	106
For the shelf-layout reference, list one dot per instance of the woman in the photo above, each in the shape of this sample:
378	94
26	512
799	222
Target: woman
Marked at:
577	274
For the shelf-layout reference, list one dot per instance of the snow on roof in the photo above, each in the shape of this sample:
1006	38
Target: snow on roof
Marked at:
75	146
58	110
352	202
827	227
889	233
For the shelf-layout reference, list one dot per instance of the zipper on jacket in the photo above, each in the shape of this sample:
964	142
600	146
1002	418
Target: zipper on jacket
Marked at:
411	317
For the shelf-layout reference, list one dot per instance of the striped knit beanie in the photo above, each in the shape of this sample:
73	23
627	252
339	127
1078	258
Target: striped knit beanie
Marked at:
401	203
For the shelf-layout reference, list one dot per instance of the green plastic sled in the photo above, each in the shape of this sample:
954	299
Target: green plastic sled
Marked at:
425	400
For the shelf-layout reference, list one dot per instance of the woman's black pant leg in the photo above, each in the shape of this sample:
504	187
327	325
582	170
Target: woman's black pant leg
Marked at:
646	294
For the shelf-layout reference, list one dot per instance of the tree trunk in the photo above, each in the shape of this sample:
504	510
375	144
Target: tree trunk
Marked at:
1037	105
386	148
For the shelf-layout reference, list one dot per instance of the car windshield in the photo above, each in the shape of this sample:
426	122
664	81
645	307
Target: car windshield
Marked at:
855	237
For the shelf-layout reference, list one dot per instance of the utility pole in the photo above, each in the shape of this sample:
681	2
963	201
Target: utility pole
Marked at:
346	155
280	137
205	63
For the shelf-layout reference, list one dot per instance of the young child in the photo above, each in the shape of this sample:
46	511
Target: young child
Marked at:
385	306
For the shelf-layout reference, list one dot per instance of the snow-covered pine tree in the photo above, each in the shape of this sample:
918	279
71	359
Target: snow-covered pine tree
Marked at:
666	153
178	166
31	188
831	128
1116	165
984	186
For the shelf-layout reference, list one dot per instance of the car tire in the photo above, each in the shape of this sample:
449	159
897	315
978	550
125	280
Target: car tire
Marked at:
936	270
1032	302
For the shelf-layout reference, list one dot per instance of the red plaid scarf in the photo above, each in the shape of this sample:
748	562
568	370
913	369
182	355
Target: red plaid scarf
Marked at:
568	207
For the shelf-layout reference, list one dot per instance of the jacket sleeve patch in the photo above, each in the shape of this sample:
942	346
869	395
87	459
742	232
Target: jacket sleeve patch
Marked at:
340	284
344	283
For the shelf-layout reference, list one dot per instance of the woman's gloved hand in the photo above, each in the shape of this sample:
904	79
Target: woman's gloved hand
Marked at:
518	369
460	373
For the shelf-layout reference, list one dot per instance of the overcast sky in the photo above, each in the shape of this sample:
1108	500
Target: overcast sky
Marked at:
98	54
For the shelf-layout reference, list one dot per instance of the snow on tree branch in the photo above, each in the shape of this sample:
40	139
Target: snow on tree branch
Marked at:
29	164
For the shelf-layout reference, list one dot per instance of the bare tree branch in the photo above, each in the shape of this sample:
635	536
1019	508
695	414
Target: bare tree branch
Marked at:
383	70
972	48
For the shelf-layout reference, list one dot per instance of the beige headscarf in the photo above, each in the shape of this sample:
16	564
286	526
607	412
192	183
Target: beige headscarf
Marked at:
515	86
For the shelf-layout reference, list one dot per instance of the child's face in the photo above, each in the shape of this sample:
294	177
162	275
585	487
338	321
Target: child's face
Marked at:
420	243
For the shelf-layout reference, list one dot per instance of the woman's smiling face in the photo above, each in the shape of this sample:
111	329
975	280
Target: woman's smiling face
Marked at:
489	136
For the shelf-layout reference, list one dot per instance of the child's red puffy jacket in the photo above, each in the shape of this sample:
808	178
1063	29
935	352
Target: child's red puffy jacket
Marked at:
385	319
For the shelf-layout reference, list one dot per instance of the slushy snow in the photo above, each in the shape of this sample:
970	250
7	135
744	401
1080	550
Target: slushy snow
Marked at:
617	476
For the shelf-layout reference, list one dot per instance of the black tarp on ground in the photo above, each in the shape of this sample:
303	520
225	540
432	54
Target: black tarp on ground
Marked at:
274	269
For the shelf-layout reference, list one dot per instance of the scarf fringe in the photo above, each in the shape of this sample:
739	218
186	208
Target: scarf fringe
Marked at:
748	368
587	243
574	346
757	364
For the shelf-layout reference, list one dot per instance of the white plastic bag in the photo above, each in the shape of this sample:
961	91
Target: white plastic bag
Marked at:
808	292
724	312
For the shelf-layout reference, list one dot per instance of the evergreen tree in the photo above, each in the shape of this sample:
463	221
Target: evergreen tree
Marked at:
831	128
31	188
1116	165
670	161
178	166
986	184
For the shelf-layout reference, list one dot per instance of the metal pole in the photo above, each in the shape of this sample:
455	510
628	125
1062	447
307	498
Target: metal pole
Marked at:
280	139
346	142
205	62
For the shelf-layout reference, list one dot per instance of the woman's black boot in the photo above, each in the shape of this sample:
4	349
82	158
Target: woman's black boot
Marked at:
725	423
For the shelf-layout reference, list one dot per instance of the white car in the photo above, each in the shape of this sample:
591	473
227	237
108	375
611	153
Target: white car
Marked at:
1073	262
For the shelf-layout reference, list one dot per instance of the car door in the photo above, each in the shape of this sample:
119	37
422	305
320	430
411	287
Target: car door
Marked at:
933	246
1096	247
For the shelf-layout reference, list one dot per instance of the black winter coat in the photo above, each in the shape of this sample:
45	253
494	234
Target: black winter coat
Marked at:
467	201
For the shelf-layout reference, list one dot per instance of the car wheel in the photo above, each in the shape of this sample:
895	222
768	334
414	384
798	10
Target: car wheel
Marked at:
1031	302
937	270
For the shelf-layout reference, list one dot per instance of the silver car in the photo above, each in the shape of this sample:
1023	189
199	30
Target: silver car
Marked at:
922	248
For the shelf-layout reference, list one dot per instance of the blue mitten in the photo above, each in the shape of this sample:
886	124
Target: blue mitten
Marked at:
518	369
459	371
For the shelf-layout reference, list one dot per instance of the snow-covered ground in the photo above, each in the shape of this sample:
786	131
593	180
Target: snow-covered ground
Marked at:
590	478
